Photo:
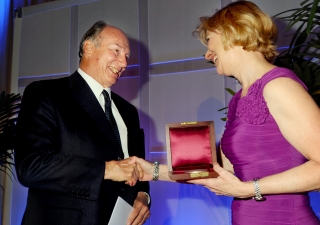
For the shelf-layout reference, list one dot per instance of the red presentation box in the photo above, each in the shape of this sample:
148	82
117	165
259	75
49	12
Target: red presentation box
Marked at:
191	150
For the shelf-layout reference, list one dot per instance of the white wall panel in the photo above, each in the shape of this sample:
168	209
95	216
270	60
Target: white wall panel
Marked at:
171	24
128	88
180	97
44	47
120	13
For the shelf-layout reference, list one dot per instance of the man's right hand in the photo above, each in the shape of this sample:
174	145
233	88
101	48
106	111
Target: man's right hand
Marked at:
122	171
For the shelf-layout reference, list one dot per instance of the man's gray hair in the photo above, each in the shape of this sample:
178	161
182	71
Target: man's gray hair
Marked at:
92	35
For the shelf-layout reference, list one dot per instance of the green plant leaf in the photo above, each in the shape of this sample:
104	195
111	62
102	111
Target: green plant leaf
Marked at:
222	109
312	15
230	91
9	109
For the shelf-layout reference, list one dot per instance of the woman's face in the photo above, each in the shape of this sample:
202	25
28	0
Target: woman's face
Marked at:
217	54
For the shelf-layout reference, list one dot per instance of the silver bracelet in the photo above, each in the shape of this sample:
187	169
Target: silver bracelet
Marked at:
256	186
155	171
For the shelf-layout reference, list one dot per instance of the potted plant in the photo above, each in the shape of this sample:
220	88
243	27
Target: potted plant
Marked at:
9	109
302	55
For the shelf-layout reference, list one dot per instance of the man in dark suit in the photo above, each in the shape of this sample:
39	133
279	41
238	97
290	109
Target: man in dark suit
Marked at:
67	151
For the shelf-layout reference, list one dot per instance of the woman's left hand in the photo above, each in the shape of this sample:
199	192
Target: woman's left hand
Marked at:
226	184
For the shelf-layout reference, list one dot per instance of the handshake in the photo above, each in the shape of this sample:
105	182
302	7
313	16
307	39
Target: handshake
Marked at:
134	169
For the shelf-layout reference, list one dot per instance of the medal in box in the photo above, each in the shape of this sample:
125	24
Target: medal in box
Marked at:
191	150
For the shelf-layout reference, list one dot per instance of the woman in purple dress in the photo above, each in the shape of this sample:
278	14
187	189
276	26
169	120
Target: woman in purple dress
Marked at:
273	125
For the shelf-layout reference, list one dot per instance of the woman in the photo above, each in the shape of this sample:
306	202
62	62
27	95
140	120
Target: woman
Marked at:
273	125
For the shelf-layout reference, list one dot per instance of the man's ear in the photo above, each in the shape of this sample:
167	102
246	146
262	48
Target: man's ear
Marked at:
87	48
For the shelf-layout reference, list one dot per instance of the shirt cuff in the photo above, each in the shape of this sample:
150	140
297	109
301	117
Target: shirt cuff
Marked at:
148	197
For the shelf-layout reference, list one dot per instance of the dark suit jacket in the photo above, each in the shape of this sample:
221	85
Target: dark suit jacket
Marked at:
63	140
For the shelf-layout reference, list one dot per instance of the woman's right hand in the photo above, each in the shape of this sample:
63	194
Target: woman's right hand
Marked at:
145	168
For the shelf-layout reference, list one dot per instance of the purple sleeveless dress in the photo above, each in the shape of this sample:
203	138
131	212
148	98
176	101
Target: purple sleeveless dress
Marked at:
255	146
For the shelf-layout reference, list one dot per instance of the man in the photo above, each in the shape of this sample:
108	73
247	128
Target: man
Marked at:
67	152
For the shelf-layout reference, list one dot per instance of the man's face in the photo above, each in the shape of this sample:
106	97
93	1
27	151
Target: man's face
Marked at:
108	59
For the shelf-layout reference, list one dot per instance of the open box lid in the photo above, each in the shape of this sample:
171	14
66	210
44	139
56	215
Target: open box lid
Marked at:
191	150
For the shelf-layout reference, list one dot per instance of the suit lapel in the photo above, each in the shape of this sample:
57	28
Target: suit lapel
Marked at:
83	95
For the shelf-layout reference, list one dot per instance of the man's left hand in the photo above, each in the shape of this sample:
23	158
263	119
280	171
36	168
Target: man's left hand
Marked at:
140	211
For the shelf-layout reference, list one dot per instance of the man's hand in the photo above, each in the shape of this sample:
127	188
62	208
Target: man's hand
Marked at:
140	211
122	171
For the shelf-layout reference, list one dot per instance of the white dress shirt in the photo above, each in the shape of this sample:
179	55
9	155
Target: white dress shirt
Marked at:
97	91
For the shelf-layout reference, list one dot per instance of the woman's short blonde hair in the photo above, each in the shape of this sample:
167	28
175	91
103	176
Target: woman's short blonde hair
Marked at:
242	23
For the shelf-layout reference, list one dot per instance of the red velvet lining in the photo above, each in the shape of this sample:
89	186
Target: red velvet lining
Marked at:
190	148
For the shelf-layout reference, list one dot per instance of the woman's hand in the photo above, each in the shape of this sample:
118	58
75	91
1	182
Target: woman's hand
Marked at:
145	168
226	184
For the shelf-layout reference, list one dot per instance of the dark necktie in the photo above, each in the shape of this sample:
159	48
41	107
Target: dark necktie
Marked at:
112	121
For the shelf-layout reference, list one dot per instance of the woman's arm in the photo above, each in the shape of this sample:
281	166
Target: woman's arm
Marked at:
298	118
148	169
